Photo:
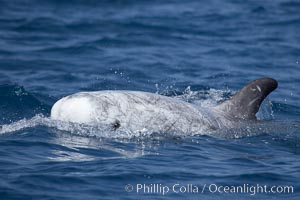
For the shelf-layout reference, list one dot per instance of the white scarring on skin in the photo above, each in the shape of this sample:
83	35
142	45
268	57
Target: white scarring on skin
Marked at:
140	111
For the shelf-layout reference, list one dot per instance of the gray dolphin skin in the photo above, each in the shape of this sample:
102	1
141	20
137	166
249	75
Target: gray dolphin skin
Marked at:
143	111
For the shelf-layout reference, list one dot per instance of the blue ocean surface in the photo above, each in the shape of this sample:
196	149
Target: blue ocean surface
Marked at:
198	51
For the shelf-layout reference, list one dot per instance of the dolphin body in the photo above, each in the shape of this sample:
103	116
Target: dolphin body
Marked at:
142	111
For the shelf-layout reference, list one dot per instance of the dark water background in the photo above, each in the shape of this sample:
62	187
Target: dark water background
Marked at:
49	49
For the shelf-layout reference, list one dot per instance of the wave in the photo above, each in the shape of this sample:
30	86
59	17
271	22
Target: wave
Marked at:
16	103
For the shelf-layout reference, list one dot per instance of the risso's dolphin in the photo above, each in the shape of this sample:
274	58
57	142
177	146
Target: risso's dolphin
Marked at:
142	111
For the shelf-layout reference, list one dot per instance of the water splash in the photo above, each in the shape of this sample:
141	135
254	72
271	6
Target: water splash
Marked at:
205	98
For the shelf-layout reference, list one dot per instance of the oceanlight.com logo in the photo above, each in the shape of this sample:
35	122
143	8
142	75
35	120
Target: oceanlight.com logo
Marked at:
163	189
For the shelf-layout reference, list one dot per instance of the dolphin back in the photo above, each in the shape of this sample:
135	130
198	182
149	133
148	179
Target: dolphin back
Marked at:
245	104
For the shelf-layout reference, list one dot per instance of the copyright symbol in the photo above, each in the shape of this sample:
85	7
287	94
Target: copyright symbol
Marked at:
128	188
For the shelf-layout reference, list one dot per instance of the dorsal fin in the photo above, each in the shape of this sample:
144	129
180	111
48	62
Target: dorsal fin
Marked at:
245	103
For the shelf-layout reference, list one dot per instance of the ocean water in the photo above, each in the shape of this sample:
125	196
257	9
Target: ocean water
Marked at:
198	51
